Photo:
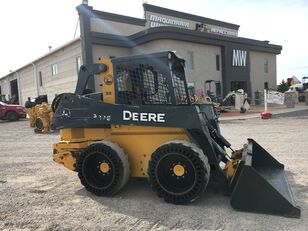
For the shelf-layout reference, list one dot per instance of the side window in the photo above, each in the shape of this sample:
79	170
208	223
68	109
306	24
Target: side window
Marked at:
124	80
217	63
265	65
54	69
190	60
40	79
78	63
178	79
191	88
141	84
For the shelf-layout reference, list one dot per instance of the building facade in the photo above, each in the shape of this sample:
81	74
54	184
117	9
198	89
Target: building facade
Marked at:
51	74
217	59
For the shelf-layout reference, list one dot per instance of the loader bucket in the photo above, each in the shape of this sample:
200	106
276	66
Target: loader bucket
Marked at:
260	185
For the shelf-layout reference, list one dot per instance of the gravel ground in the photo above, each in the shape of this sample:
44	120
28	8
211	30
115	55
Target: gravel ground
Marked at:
38	194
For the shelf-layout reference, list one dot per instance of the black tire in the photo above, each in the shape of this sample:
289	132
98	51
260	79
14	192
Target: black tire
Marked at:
169	184
96	180
39	126
52	126
12	116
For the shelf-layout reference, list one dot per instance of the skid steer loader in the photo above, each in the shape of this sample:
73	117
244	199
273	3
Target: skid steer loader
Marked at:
143	124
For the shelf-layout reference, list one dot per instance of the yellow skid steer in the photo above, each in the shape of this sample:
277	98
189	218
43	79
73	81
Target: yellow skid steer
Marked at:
143	124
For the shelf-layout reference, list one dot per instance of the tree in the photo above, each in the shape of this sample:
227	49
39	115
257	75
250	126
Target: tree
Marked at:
283	86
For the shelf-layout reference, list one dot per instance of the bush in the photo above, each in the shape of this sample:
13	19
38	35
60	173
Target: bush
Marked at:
283	86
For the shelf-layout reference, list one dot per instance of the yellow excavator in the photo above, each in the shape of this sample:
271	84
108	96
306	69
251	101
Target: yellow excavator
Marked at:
143	124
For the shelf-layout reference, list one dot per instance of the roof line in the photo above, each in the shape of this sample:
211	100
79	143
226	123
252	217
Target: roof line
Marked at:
43	56
192	17
88	11
182	35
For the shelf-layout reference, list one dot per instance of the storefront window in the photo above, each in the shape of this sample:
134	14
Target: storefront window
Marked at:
190	60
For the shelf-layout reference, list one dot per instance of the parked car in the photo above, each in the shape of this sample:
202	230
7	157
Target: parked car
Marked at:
12	112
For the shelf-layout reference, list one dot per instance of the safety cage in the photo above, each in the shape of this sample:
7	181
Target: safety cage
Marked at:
138	83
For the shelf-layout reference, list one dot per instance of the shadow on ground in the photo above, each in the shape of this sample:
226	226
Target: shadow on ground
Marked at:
139	201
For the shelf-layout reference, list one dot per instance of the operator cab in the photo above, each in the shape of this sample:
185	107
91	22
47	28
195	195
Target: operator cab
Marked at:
156	79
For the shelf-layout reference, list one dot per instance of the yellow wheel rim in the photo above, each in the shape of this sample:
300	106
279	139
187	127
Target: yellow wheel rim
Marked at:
104	167
178	170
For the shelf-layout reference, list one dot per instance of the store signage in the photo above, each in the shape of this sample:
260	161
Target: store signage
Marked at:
156	21
221	31
215	30
239	58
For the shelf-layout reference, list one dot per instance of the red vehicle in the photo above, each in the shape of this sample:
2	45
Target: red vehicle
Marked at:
12	112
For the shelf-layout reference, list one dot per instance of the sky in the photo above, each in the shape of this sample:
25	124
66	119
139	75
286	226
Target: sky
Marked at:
28	27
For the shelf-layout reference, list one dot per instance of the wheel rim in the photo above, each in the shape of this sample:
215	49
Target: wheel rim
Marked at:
166	175
96	172
176	173
179	170
103	168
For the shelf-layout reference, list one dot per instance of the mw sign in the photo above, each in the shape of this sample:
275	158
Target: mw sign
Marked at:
239	58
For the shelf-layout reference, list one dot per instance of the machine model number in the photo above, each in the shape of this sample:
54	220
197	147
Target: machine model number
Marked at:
102	117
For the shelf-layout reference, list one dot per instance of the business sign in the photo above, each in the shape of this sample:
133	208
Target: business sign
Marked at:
239	58
215	30
156	21
223	31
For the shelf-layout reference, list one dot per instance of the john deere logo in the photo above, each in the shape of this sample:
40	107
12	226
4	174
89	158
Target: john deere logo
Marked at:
144	116
108	80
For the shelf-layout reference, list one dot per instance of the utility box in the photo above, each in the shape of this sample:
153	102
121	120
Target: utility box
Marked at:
289	99
306	97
